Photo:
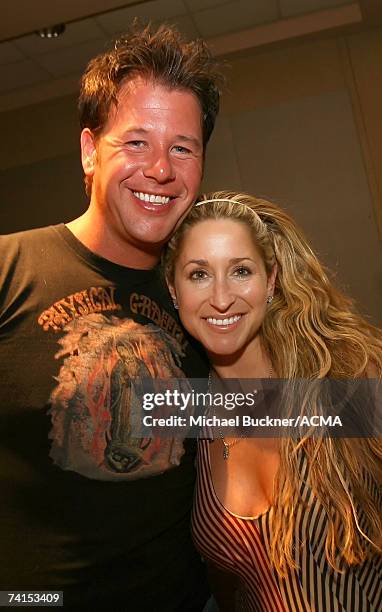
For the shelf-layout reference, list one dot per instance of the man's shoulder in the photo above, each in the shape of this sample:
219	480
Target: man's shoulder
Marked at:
22	247
27	236
22	253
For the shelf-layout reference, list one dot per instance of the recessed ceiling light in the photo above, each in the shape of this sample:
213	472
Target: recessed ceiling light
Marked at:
52	32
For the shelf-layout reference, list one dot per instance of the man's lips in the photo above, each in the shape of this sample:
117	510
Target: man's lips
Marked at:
152	198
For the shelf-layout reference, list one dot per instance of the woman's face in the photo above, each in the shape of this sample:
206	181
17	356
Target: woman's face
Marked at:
221	286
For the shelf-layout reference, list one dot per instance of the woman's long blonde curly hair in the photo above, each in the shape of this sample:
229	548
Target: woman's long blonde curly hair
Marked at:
311	331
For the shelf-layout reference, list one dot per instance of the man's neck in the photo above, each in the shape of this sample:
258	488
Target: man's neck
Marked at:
96	237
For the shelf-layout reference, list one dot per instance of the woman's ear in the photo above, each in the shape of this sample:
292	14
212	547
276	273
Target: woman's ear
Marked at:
272	280
172	291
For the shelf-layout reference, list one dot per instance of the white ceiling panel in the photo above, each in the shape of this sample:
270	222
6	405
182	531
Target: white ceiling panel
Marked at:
21	74
185	25
117	21
72	60
34	69
296	7
24	16
10	53
75	33
235	15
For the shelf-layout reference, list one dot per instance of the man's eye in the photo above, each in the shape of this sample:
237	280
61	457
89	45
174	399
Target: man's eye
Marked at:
198	275
182	150
136	144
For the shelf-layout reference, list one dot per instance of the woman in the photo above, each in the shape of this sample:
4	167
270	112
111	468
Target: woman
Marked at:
296	520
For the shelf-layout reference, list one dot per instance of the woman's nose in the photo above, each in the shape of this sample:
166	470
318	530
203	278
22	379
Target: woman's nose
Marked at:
222	296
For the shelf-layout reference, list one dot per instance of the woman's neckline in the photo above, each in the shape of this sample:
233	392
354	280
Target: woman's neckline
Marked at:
239	516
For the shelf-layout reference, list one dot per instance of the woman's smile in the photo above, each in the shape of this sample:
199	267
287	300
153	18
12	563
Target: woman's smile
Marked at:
221	286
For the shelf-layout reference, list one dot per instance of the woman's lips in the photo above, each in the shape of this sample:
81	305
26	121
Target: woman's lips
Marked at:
224	321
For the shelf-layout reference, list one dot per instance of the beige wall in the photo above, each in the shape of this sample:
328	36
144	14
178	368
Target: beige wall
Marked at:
300	124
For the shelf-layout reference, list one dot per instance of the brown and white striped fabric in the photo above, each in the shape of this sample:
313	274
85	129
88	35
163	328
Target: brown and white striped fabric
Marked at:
241	546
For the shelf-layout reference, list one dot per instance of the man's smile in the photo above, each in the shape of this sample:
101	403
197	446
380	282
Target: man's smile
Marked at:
152	198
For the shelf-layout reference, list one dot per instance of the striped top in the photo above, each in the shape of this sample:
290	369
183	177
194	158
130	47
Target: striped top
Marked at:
241	546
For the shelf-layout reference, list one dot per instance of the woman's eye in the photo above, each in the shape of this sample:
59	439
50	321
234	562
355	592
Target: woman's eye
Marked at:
242	271
198	275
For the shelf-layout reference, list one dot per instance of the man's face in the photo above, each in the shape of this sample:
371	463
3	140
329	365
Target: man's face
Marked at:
146	167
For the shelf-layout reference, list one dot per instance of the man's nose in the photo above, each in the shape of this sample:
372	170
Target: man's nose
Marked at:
160	167
222	296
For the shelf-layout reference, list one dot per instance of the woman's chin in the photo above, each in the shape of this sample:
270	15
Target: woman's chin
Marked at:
226	355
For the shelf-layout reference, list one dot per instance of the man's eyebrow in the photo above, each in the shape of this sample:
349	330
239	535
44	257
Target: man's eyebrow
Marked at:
179	137
191	139
136	130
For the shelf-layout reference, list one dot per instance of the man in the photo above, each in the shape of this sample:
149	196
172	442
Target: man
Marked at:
87	508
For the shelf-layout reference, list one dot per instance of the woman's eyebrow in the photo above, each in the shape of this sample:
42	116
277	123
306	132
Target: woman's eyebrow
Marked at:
198	262
204	262
238	259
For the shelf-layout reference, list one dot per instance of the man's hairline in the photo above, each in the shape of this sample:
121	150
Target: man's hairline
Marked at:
147	77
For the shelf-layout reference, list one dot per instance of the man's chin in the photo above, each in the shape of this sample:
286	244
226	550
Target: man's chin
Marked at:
181	219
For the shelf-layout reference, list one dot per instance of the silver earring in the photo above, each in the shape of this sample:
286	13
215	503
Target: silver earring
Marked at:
269	299
176	305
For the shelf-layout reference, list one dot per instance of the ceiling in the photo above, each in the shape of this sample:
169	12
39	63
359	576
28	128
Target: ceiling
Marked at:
33	69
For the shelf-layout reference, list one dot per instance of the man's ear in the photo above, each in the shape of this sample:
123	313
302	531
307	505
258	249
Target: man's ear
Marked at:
88	152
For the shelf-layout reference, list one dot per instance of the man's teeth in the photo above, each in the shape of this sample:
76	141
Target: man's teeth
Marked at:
149	197
228	321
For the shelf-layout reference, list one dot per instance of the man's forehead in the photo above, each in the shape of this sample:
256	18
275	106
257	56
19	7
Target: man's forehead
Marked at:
143	103
150	93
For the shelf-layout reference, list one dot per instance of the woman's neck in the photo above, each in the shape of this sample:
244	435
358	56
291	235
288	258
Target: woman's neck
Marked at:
252	362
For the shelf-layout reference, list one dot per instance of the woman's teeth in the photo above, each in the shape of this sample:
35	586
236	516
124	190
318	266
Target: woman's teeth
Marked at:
149	197
229	321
